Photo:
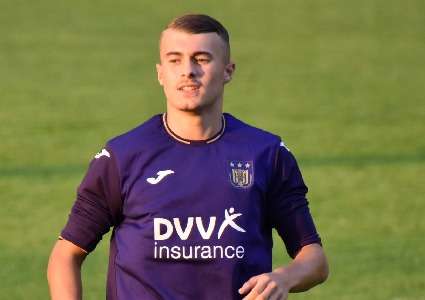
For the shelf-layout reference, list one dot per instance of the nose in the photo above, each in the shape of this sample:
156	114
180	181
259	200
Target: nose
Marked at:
189	69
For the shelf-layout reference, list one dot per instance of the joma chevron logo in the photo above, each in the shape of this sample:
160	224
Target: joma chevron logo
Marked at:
161	175
104	152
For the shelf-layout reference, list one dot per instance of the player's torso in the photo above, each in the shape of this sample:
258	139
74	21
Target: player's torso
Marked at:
194	216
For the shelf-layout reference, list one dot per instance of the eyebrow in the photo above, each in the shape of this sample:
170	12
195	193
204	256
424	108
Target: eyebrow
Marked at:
203	53
173	53
194	54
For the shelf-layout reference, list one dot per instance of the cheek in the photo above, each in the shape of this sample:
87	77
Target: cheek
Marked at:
168	79
215	77
169	91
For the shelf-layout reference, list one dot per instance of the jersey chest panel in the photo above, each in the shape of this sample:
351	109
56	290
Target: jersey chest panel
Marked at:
195	196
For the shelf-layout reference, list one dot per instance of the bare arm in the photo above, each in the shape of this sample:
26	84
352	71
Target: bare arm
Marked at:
64	271
308	269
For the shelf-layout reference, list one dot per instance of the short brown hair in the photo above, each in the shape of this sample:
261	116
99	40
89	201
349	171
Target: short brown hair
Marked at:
198	23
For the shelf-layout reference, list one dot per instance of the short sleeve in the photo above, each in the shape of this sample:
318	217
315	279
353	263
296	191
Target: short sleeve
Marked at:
98	203
289	211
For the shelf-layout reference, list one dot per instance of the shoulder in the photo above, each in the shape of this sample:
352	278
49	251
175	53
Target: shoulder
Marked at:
138	137
242	132
138	142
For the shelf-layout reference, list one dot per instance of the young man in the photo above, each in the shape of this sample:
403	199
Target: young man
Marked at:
192	195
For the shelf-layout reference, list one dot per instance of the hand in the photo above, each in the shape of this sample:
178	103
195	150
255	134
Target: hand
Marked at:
267	286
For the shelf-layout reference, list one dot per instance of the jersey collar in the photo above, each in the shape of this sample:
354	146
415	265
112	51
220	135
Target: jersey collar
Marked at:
188	142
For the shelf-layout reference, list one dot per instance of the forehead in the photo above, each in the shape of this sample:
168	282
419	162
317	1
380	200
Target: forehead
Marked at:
173	40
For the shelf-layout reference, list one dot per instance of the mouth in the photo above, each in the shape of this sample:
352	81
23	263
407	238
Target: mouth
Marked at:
189	87
189	90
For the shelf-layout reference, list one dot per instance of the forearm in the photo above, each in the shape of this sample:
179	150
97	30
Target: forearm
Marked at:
308	269
64	274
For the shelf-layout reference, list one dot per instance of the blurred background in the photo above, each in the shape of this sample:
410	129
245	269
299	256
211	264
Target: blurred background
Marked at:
341	81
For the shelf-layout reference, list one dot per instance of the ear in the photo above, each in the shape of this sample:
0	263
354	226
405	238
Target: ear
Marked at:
229	69
159	72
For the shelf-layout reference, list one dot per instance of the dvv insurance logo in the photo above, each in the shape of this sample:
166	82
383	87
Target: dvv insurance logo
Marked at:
208	229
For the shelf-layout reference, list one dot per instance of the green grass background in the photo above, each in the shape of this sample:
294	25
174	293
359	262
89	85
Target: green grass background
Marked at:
341	81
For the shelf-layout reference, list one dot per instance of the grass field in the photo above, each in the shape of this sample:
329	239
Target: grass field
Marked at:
341	81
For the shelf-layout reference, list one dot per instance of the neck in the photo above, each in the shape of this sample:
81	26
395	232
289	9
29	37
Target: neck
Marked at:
194	125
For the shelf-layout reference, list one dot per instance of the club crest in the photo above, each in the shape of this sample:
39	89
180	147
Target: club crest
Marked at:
241	173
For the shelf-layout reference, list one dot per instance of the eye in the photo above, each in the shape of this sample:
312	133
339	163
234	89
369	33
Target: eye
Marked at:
174	60
202	60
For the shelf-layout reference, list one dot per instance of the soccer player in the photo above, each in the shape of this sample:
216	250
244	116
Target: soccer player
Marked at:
192	195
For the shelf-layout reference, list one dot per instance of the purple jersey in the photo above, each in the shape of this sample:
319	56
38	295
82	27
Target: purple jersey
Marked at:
191	219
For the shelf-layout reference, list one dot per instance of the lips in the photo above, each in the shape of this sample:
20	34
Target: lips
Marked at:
187	87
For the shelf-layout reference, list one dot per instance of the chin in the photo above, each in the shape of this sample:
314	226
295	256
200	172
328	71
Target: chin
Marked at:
191	108
191	105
